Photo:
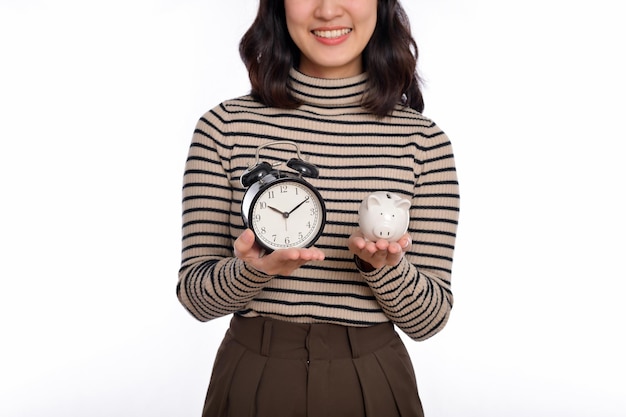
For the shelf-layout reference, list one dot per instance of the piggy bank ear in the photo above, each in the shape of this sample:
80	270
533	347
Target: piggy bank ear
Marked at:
403	203
373	200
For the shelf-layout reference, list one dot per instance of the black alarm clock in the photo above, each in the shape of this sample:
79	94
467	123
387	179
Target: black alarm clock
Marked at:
282	209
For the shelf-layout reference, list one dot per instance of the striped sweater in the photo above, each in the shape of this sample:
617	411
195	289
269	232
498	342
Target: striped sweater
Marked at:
356	153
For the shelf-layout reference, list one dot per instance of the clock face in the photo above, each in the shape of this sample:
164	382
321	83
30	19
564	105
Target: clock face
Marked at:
288	213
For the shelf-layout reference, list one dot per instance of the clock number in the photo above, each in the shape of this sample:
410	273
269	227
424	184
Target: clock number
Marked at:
270	194
283	189
262	205
287	240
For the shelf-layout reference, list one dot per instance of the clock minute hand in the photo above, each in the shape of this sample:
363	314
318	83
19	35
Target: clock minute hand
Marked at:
298	206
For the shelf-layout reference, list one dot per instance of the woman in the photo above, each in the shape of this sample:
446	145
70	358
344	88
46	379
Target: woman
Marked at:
312	332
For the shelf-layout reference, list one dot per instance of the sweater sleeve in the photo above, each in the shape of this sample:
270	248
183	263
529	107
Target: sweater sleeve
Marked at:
416	294
211	282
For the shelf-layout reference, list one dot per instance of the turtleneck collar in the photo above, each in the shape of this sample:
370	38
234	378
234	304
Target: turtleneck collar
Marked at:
327	92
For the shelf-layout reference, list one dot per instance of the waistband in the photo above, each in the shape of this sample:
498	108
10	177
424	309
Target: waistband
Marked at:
317	341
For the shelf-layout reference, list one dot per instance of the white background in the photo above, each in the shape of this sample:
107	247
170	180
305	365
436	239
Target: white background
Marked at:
98	101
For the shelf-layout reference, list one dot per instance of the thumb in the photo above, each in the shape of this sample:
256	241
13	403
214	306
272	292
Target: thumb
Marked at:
244	242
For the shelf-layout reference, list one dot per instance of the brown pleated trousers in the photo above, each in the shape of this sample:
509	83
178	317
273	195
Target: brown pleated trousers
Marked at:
271	368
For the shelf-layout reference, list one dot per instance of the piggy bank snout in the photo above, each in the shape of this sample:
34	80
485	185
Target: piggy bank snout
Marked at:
385	231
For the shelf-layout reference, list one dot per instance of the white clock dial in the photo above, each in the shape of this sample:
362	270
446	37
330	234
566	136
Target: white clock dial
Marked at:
287	214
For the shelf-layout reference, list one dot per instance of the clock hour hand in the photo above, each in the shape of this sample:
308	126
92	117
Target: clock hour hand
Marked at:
298	206
283	213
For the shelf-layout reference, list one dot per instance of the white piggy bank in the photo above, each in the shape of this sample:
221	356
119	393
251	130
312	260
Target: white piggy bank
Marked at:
384	215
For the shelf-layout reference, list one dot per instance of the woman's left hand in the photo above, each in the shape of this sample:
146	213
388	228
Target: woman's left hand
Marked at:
379	253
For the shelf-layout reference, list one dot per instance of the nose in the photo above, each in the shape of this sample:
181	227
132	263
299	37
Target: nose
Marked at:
328	9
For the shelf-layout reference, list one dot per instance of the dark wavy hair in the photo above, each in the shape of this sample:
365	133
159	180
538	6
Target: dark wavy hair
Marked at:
390	59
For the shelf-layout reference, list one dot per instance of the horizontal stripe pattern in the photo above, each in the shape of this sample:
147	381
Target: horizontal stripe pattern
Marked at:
356	153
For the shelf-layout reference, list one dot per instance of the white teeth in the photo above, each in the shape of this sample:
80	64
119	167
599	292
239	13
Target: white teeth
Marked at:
331	33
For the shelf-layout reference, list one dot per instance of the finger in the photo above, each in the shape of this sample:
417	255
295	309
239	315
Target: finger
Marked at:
313	254
395	248
371	248
357	241
382	244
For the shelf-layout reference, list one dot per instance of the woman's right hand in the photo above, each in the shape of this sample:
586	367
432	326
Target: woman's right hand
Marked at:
278	262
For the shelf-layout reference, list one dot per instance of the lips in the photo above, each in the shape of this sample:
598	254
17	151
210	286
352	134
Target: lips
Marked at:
331	34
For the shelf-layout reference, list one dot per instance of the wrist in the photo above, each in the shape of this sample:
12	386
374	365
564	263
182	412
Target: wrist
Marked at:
362	265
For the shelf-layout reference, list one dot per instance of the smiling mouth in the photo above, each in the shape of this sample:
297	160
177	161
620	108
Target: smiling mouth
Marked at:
331	34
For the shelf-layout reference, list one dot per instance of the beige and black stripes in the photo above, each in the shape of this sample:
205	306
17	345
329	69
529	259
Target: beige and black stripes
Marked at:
356	154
